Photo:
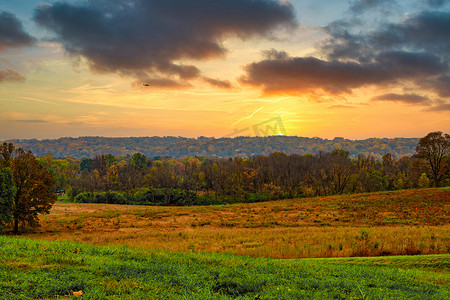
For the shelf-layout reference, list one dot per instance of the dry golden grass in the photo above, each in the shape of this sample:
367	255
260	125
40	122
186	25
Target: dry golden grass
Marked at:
401	222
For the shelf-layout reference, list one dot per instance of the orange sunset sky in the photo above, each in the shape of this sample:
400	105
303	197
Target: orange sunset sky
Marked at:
356	69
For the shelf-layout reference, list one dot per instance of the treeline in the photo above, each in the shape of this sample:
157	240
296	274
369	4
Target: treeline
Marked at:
200	180
179	147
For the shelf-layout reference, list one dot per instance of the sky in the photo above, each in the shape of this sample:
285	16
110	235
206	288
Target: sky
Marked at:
355	69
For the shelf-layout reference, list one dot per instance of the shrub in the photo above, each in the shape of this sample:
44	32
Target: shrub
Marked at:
73	192
424	181
110	198
84	198
164	197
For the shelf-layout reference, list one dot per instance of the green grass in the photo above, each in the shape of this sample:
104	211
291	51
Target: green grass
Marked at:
38	269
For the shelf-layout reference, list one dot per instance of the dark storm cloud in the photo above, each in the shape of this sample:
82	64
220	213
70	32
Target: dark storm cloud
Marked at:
427	31
414	50
405	98
145	38
12	34
11	76
282	73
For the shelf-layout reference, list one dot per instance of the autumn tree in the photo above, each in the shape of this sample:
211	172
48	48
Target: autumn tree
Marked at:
372	175
62	170
340	169
7	193
389	170
334	171
33	186
217	173
110	160
139	160
85	164
190	177
405	175
99	164
433	148
163	175
130	177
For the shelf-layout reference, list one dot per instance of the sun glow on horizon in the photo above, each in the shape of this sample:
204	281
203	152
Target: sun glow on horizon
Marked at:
228	78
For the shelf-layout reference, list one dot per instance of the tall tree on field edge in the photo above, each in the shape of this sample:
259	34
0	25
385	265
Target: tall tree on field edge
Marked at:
433	148
7	193
33	183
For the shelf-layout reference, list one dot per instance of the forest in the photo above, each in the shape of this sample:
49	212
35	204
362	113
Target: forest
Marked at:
199	180
226	147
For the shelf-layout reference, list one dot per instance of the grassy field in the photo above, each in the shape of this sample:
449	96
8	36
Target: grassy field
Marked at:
98	251
49	270
385	223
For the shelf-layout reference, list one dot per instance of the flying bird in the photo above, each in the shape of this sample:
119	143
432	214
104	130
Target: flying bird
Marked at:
146	84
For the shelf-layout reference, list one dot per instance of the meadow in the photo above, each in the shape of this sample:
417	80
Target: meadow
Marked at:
385	223
336	247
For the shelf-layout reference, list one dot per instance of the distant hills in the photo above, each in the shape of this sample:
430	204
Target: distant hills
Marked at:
213	147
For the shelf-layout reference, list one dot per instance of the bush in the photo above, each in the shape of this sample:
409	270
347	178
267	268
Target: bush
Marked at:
424	181
110	198
73	192
208	199
168	197
84	198
148	196
257	197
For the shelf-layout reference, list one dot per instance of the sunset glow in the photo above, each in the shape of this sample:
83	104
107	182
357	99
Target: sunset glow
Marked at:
142	68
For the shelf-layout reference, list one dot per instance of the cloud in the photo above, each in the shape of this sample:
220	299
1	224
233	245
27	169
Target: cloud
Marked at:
440	84
425	32
428	31
145	38
406	98
305	74
414	50
440	107
225	84
283	73
436	3
29	121
361	6
341	106
12	34
11	76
